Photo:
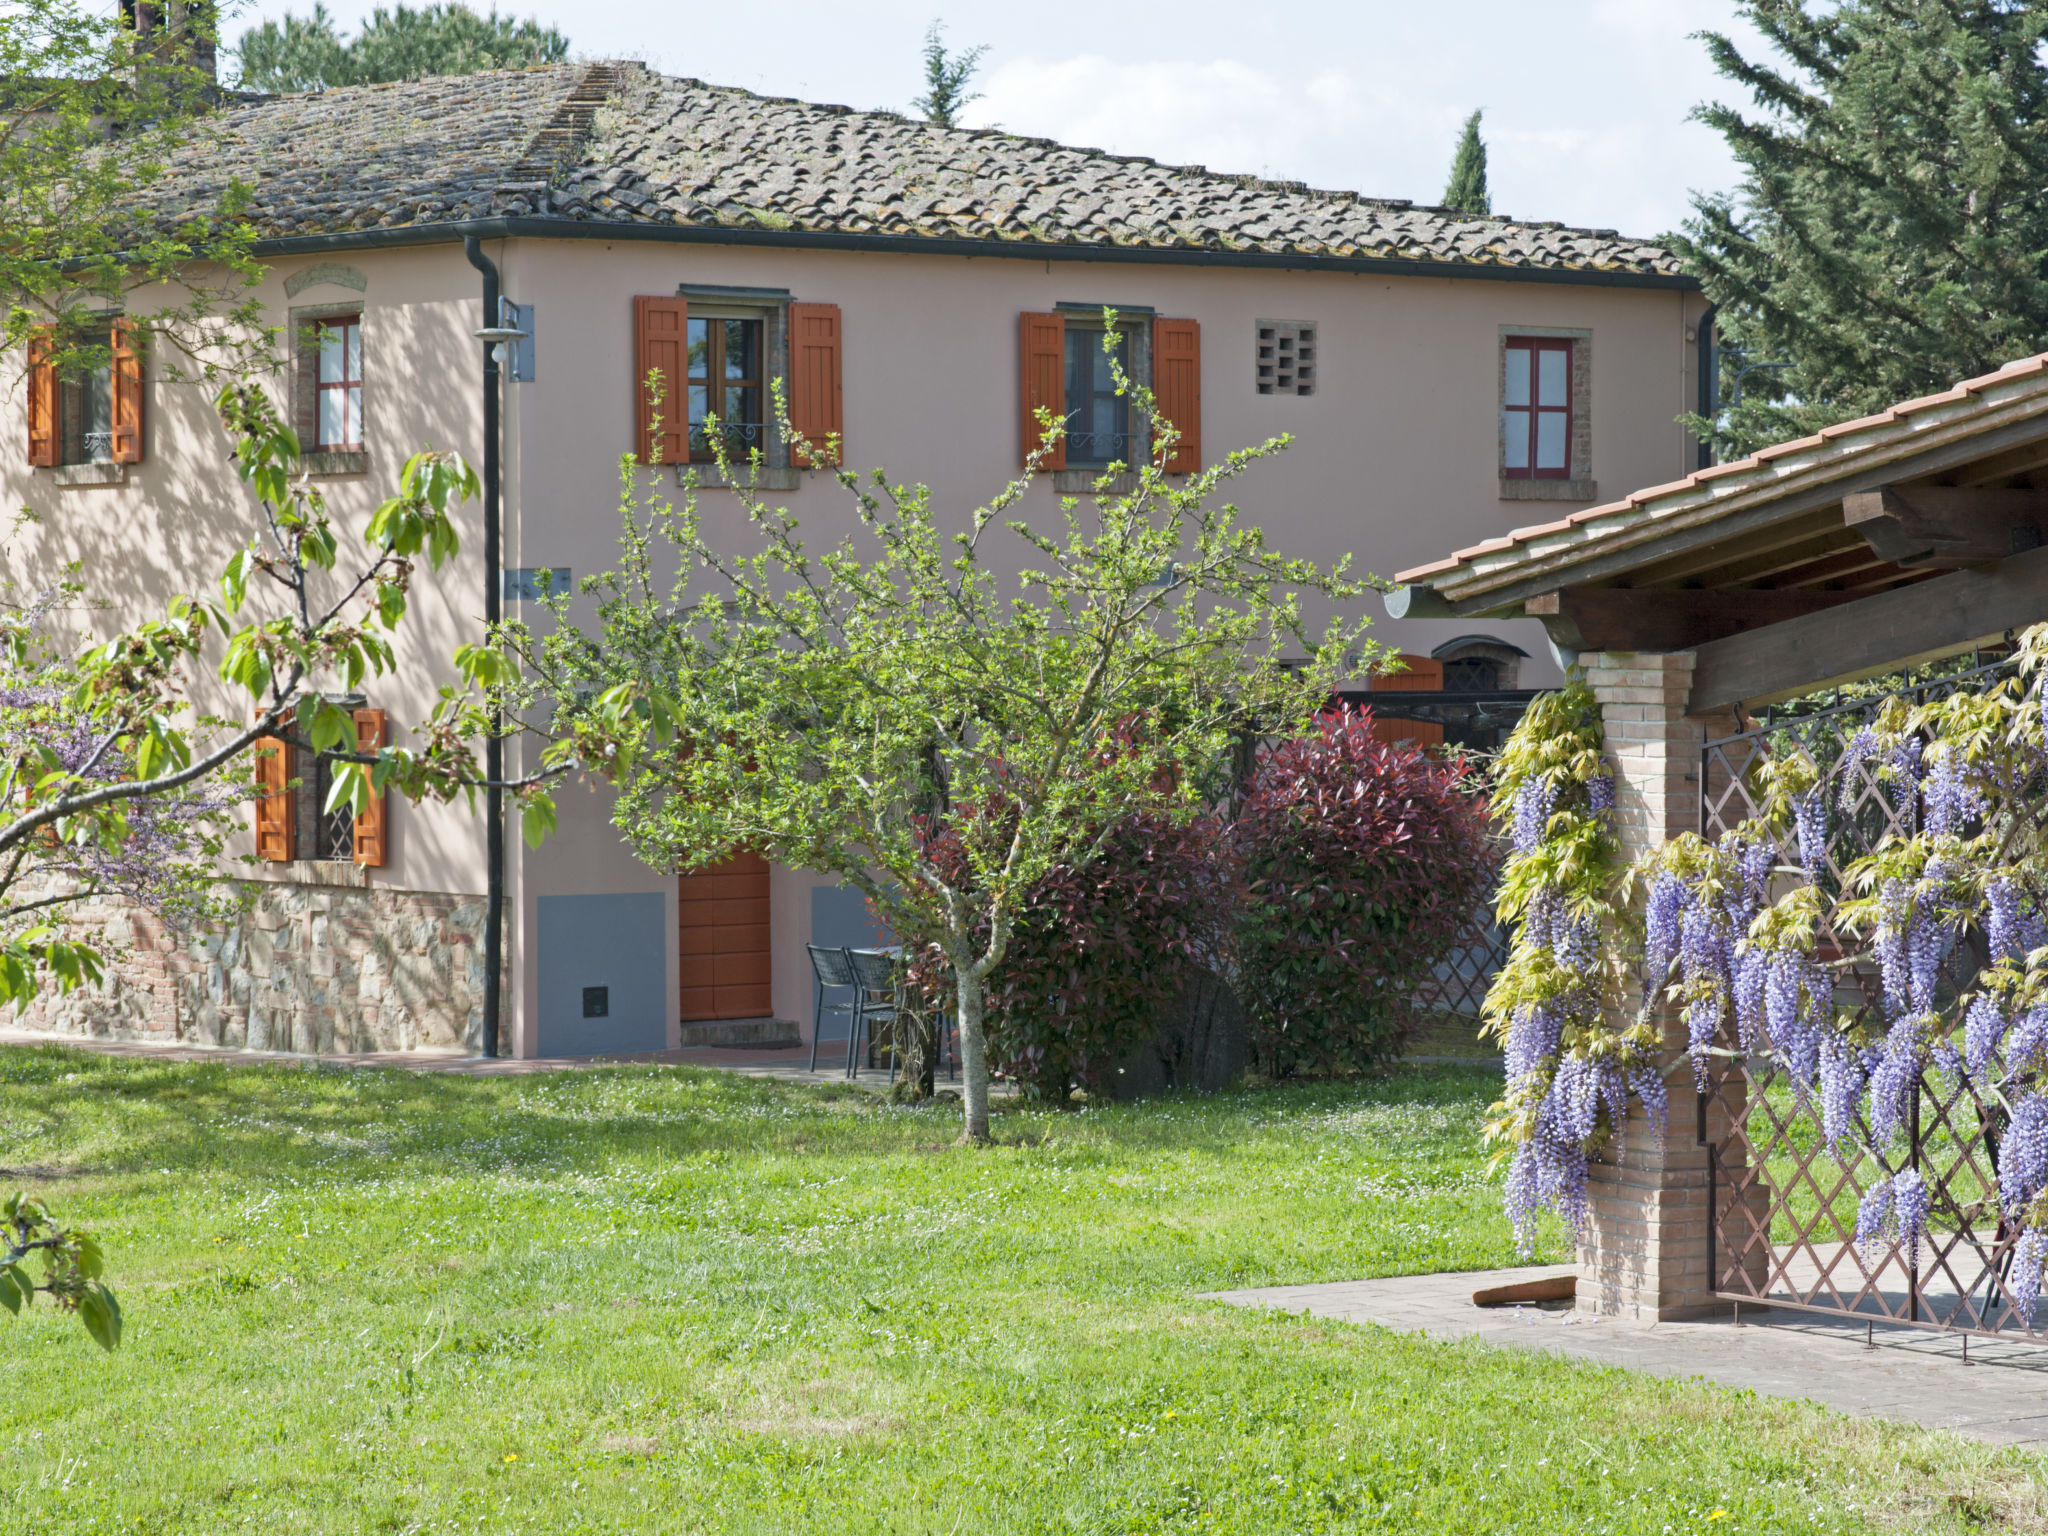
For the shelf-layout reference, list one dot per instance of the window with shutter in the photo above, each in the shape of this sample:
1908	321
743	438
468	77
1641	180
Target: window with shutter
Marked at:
125	387
1177	388
276	823
661	413
1042	349
814	382
366	832
42	402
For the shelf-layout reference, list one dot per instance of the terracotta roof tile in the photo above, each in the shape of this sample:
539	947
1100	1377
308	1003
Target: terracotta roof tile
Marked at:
617	143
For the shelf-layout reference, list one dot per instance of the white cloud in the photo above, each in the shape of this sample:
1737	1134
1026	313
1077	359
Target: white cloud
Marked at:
1226	115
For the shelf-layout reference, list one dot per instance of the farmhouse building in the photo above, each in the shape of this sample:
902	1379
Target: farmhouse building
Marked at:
920	290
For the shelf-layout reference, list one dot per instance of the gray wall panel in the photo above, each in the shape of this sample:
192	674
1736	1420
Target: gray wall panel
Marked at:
608	952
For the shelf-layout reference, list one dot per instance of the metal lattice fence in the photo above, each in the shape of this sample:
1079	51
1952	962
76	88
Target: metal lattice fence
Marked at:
1784	1201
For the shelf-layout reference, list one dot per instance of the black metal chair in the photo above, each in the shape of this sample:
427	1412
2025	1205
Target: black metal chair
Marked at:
875	976
830	968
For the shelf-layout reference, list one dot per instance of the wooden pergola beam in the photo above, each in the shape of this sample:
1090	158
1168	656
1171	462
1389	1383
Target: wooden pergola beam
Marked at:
1664	618
1883	632
1945	525
1653	542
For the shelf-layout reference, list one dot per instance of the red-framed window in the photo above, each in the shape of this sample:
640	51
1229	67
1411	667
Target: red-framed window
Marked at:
338	401
1536	409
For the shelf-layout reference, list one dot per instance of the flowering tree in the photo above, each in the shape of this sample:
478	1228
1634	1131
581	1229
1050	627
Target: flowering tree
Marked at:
885	711
111	781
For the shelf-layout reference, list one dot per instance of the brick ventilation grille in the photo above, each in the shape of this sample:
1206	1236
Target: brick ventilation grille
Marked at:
1287	357
1784	1203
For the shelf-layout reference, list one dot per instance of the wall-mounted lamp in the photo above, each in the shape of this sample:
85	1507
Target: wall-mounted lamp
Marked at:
501	338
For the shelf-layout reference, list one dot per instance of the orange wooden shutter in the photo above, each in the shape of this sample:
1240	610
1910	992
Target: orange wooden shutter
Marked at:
127	392
42	402
1177	388
276	826
369	823
1042	345
1422	674
814	390
661	340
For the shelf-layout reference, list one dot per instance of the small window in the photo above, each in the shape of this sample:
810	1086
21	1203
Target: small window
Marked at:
1098	418
1286	357
1536	409
338	409
85	405
1479	664
323	834
726	381
293	821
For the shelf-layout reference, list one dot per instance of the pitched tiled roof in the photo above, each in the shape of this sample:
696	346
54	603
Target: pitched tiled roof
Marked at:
617	143
2017	392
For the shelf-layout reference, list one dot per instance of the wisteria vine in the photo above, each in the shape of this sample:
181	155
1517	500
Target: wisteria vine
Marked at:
1570	1069
1745	939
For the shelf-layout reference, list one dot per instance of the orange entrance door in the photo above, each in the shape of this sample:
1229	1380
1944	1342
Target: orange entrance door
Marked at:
724	915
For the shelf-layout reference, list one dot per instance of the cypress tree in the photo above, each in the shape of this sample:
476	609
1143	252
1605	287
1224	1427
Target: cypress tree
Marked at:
306	53
1467	192
1886	236
946	76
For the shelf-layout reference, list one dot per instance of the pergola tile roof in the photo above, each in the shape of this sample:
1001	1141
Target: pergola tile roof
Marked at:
2016	391
619	144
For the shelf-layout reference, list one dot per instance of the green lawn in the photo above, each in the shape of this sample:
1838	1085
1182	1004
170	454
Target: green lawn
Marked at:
660	1300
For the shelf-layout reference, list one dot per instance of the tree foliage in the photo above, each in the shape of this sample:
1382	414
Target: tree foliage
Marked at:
306	53
1886	236
850	709
91	118
1363	863
946	77
1466	191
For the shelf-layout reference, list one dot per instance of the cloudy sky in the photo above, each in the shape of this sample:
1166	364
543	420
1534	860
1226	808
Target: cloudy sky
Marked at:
1586	101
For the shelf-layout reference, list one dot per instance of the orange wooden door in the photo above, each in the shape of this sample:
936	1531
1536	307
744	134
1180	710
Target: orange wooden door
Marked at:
724	922
1419	674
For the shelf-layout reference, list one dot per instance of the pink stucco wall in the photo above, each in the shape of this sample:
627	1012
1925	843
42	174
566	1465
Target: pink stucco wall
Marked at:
1394	460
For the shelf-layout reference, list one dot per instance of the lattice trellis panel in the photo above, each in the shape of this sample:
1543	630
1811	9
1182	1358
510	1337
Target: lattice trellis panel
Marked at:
1784	1203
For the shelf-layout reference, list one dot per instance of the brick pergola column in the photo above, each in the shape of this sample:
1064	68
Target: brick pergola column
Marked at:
1645	1253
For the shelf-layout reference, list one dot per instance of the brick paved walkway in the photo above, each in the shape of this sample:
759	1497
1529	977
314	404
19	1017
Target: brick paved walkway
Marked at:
1919	1378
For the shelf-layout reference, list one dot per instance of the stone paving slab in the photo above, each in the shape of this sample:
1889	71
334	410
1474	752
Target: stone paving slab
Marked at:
1909	1375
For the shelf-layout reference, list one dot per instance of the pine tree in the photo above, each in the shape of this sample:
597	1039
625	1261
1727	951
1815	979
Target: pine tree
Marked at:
1467	192
1887	234
945	78
307	54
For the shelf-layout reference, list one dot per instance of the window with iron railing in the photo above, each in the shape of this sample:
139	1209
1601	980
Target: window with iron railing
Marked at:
726	382
1098	418
85	407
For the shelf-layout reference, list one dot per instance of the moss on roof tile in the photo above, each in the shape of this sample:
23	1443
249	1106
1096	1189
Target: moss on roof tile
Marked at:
618	143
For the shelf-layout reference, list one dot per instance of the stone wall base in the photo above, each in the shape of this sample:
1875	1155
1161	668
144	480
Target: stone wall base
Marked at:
313	969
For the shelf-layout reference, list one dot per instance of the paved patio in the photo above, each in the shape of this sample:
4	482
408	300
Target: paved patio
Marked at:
2001	1395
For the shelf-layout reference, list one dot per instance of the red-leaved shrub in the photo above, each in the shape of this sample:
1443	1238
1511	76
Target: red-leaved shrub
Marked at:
1099	949
1363	864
